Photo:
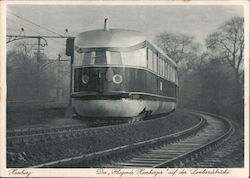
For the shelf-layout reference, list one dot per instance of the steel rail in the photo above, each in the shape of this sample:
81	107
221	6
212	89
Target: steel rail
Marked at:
36	130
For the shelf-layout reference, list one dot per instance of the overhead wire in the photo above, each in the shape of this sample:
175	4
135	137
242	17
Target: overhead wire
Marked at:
29	21
35	24
22	25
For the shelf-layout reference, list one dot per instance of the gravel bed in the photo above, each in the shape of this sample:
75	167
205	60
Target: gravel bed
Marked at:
24	156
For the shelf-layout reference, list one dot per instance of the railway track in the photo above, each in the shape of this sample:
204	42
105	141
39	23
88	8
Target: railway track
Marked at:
52	129
178	154
86	124
173	150
27	137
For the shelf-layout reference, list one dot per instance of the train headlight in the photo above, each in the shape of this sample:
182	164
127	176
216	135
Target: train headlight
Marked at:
117	79
85	79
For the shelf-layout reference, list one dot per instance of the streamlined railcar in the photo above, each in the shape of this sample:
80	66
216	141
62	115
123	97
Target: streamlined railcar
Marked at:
119	73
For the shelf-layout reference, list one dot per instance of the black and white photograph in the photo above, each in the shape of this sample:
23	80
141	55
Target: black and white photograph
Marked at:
122	89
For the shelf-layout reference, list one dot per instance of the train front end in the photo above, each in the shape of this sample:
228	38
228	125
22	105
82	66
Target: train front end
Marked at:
100	78
111	78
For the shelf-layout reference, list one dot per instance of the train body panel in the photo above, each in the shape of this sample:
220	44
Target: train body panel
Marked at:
121	79
135	91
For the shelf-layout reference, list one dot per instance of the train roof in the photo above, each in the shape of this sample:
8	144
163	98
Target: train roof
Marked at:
109	38
113	38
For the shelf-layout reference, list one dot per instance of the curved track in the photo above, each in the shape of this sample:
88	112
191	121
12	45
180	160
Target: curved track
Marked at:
176	155
168	151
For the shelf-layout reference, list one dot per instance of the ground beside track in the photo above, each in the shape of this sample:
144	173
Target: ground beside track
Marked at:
29	119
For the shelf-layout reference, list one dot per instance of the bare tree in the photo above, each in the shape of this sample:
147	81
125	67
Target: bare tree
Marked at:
183	49
21	72
175	45
25	76
228	43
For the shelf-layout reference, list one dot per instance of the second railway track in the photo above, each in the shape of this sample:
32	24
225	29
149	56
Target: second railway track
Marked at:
47	134
32	136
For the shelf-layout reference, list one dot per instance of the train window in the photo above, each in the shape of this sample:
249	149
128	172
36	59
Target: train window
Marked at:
163	66
170	73
86	58
78	59
135	58
91	57
176	76
115	57
166	70
159	66
173	75
159	63
150	59
100	57
154	62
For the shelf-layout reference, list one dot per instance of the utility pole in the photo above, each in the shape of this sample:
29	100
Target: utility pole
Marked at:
69	111
38	68
58	79
70	52
71	81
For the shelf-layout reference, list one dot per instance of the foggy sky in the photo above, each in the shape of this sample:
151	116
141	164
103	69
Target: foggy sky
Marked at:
196	20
